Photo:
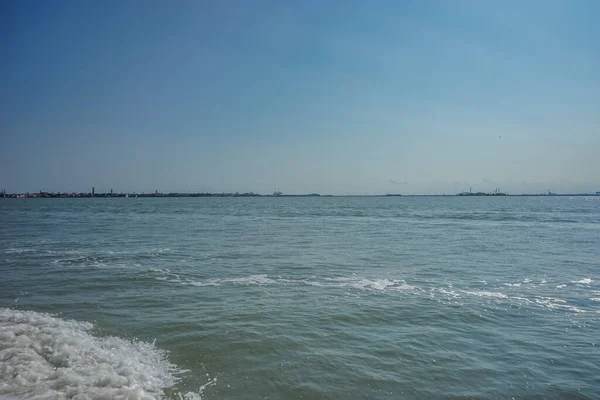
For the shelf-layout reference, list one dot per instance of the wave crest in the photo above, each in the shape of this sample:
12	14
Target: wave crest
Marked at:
45	357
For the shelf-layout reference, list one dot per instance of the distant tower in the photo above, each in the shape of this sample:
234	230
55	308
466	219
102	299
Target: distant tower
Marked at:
111	192
93	190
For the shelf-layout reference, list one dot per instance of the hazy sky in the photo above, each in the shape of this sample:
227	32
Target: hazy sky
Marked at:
300	96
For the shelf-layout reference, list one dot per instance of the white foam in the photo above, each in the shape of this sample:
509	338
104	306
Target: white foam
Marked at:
18	251
487	294
450	293
552	303
166	275
521	299
250	280
377	284
242	280
45	357
544	300
355	282
585	281
161	250
595	298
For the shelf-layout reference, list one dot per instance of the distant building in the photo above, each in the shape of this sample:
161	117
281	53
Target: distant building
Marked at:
597	193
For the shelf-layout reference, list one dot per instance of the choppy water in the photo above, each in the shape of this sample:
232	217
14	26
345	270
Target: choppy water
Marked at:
334	298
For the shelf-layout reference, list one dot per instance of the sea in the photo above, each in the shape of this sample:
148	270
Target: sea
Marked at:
300	298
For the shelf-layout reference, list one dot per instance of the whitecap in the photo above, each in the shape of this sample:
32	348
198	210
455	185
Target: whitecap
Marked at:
487	294
45	357
450	293
242	280
585	281
377	284
250	280
18	250
380	284
354	282
552	303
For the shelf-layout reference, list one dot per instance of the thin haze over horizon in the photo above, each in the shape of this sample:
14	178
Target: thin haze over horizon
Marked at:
333	97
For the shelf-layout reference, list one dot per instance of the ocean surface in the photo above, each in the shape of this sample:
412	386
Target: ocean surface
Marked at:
300	298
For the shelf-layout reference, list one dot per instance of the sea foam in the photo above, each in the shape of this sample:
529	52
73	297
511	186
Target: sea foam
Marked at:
585	281
45	357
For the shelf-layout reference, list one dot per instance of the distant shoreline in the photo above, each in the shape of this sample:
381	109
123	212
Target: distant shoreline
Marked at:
175	195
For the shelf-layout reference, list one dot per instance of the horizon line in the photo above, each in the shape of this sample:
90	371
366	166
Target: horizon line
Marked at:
156	193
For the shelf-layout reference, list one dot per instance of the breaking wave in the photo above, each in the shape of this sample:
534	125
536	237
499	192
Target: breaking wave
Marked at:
45	357
354	282
584	281
515	293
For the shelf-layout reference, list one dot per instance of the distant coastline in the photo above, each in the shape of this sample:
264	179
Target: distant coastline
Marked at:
155	194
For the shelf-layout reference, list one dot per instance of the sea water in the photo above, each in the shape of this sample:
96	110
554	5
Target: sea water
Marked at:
289	298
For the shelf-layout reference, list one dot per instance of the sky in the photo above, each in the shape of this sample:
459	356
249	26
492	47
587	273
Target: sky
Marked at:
334	97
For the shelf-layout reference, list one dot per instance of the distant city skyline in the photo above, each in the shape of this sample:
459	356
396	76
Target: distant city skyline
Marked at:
157	193
410	97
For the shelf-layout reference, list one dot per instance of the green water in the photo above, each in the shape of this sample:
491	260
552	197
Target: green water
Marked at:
333	298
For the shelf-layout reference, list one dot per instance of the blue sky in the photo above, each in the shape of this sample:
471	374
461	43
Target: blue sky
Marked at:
333	97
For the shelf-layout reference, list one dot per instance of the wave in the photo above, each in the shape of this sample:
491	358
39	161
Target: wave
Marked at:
360	283
46	357
19	250
371	284
243	280
484	293
501	293
585	281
